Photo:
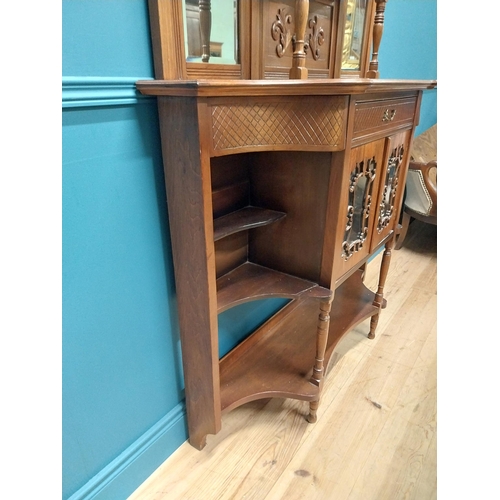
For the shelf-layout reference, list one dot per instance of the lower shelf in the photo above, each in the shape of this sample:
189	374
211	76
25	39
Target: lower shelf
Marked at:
277	359
352	304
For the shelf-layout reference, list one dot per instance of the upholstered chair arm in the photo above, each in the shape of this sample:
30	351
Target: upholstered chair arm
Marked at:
421	187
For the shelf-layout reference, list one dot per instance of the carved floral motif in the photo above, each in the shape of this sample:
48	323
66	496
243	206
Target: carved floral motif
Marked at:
280	31
316	38
358	209
386	207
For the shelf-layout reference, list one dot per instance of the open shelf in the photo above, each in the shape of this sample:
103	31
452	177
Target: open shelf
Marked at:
277	359
352	304
246	218
252	281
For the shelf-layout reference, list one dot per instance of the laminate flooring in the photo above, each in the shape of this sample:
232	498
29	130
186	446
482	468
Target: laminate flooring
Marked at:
375	438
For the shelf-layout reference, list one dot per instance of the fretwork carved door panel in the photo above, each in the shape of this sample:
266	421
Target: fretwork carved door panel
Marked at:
359	204
391	187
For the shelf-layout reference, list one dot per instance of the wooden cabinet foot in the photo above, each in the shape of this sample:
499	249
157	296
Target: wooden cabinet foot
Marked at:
198	442
313	409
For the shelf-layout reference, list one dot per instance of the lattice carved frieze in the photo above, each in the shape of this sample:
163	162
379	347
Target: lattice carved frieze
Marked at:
386	206
297	122
359	206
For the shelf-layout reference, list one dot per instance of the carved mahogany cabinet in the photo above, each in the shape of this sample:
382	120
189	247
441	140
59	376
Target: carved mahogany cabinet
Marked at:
277	188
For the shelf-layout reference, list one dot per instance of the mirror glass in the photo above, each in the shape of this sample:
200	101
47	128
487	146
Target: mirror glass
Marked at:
353	35
357	199
211	31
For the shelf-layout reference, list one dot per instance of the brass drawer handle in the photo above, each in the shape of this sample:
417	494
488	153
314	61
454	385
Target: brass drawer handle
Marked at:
389	115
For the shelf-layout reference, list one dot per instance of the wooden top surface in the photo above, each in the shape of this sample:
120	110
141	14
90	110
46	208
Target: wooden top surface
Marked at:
324	86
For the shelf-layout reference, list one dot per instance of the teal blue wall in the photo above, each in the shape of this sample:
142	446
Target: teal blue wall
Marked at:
123	410
409	49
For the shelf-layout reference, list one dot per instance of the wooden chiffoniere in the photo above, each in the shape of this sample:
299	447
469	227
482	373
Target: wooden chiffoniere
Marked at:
278	188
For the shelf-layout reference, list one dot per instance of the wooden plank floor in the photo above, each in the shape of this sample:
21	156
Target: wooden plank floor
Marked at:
375	437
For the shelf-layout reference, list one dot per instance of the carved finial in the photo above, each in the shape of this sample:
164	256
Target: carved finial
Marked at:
298	69
378	28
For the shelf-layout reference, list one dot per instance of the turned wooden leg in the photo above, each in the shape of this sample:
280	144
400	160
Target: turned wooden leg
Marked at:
379	296
321	340
313	409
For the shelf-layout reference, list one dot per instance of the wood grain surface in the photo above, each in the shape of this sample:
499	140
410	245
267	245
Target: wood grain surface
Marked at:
375	437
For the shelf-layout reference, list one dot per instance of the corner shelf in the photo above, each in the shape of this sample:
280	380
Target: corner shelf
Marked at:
251	281
276	360
243	219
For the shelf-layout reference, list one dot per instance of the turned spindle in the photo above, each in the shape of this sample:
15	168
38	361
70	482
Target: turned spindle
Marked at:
379	296
378	28
205	28
321	341
298	71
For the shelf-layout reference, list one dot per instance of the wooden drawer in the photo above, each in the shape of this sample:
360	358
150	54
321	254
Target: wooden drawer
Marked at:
376	116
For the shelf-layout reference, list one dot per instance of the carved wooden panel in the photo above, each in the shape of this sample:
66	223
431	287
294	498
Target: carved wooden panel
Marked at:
298	123
277	19
359	206
387	200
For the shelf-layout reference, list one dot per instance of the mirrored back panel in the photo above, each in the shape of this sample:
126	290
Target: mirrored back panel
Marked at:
255	39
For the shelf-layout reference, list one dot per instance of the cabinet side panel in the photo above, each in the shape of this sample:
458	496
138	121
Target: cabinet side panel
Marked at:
187	179
334	225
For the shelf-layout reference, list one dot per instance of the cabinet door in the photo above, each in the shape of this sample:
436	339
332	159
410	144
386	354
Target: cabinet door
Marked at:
391	188
359	196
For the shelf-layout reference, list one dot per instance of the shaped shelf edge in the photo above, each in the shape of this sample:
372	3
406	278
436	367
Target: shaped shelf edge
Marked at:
243	219
252	282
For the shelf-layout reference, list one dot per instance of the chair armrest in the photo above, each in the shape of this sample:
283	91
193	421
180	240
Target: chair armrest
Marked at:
427	175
